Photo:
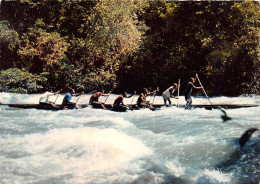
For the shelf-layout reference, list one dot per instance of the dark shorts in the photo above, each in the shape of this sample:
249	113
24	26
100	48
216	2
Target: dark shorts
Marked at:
93	100
188	101
69	105
120	108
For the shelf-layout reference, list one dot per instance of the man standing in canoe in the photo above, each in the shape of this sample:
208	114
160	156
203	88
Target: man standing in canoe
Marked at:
94	100
188	92
168	93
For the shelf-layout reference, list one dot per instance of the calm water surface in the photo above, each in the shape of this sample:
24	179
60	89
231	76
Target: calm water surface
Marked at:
170	145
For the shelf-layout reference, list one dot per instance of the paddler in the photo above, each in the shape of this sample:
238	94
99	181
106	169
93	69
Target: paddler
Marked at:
119	104
142	102
188	92
67	103
146	92
94	99
168	93
65	89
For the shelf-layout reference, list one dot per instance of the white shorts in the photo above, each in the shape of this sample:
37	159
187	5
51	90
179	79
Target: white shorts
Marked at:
166	96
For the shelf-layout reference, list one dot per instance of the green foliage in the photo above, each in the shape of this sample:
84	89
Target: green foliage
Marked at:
133	44
113	35
9	43
116	33
8	37
215	39
238	48
40	49
19	81
95	80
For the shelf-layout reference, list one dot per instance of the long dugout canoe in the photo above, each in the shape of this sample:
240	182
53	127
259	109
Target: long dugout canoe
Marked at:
215	106
206	106
41	106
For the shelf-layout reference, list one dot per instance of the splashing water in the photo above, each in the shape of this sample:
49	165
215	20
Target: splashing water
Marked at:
170	145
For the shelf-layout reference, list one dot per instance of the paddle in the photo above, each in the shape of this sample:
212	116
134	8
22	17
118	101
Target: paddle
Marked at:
56	98
203	88
131	107
107	97
79	94
78	99
132	100
157	90
179	83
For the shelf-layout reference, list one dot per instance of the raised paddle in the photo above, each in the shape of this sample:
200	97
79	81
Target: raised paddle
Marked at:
203	88
133	98
179	83
130	106
157	90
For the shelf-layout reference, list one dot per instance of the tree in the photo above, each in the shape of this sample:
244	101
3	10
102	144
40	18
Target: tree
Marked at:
9	44
114	34
217	39
133	44
40	49
20	81
238	50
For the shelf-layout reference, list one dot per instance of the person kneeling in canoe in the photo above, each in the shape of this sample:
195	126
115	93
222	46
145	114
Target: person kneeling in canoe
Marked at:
67	103
94	100
142	102
119	104
168	93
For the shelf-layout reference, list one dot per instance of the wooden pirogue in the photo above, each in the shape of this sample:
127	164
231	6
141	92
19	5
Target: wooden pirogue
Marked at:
43	106
108	106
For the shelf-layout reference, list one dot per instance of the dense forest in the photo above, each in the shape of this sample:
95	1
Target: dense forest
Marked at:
129	45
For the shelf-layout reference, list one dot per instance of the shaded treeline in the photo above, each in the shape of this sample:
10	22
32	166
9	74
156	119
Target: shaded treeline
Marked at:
128	45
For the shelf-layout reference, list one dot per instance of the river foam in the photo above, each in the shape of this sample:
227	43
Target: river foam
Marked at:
170	145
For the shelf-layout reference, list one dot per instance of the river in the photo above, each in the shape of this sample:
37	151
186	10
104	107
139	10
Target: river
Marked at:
170	145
